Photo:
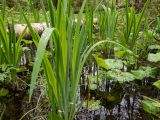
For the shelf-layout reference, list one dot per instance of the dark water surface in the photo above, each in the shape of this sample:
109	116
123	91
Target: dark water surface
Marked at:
124	105
126	102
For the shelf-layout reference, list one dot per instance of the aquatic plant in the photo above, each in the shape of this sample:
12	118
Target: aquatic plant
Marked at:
10	49
63	70
63	49
67	44
107	22
3	9
34	11
107	26
113	70
133	23
151	106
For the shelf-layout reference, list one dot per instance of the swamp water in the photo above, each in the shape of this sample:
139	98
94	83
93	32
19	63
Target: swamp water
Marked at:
115	101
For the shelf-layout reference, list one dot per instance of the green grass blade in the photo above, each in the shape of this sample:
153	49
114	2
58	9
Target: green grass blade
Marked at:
50	76
34	11
18	45
52	12
4	38
3	9
44	12
140	18
34	33
39	56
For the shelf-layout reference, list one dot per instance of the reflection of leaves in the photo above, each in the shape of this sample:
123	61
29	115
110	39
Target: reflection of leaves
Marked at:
143	72
92	104
109	63
95	81
3	92
157	84
154	57
111	97
120	76
151	106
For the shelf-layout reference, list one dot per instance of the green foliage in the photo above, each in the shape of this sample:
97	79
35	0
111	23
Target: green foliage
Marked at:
64	70
157	84
101	62
108	22
92	104
133	23
108	63
129	39
121	77
44	12
39	56
34	11
153	47
151	106
107	25
63	74
119	53
144	72
154	57
158	24
6	75
3	9
96	80
126	55
10	49
3	92
68	52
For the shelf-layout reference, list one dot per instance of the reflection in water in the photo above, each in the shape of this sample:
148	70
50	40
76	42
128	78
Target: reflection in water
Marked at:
125	102
118	101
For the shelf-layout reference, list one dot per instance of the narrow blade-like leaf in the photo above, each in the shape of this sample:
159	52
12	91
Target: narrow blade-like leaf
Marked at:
39	56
